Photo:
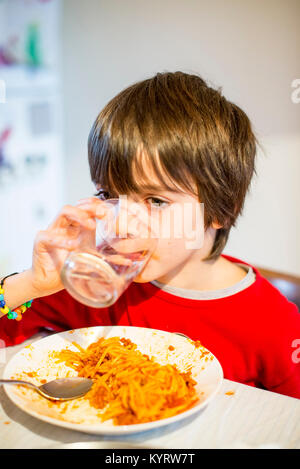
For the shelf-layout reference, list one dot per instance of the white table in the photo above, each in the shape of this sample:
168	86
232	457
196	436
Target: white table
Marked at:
249	418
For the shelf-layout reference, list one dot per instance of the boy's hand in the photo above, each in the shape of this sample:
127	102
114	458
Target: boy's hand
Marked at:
52	246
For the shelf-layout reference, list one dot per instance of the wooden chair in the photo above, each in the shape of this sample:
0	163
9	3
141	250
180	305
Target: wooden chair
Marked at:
288	285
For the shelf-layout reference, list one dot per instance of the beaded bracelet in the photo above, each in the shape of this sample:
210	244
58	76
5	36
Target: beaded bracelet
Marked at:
4	309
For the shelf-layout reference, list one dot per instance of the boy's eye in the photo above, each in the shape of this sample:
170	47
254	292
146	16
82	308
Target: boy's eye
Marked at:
103	195
158	203
155	202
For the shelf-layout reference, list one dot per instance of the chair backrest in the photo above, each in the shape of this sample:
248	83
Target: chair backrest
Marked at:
288	285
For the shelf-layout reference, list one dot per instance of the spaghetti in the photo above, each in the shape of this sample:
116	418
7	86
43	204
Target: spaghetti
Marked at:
129	386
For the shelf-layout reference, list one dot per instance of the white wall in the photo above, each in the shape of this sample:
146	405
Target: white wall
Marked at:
249	47
31	195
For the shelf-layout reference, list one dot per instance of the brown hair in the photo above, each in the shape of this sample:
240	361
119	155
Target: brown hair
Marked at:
193	136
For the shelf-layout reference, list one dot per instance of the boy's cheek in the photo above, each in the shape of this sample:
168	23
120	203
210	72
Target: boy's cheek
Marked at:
160	263
152	270
155	256
149	272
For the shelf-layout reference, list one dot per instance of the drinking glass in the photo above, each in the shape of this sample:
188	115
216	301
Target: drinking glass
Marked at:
102	267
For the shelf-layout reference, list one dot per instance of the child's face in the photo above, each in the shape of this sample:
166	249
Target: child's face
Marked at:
178	220
184	245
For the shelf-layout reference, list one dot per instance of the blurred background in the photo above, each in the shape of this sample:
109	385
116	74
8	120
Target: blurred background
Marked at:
62	60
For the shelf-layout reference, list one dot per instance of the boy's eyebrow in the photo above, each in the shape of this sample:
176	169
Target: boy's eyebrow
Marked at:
153	188
150	188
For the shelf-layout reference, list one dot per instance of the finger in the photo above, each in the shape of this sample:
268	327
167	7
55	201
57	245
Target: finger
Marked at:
96	208
88	200
53	240
73	216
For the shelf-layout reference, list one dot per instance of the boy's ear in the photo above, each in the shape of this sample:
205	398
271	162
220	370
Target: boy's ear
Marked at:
216	225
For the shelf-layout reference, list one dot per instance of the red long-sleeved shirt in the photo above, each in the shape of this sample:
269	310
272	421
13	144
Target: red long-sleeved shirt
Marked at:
255	333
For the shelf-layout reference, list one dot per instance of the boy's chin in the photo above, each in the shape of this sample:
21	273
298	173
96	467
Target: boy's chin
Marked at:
143	278
150	272
140	279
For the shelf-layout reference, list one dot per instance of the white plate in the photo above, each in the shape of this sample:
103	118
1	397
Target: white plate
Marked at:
78	414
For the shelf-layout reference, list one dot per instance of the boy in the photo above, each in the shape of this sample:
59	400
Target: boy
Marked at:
164	141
